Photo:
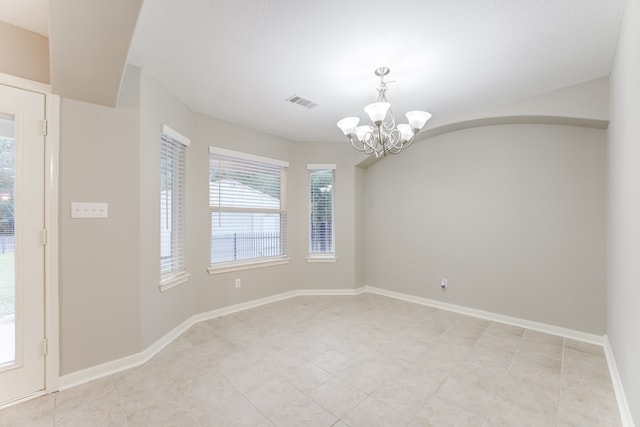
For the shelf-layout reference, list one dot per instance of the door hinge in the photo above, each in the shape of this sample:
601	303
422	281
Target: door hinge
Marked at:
44	237
45	346
45	127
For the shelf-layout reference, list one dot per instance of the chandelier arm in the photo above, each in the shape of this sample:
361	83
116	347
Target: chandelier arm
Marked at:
370	140
389	122
375	143
363	148
353	143
394	139
408	142
398	146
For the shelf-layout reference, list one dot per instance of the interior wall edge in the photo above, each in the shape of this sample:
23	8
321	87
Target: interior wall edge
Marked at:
616	381
366	161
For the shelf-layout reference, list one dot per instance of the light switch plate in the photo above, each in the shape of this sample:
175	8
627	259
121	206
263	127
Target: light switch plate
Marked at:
89	210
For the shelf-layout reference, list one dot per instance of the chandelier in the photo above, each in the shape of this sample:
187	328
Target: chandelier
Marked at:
382	136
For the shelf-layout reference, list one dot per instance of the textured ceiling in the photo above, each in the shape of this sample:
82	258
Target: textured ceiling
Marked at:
32	15
238	60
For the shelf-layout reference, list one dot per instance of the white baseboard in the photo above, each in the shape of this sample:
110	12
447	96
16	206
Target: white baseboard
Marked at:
99	371
621	398
131	361
207	315
515	321
124	363
330	292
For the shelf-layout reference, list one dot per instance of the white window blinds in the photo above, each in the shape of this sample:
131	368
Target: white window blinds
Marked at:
172	205
247	204
321	215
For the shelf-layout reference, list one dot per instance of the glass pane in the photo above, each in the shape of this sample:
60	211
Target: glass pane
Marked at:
321	215
7	243
166	217
172	160
237	236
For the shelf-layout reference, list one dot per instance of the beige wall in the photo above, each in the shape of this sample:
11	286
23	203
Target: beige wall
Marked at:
99	258
111	304
89	46
512	215
25	54
358	226
218	290
315	275
584	104
624	209
161	311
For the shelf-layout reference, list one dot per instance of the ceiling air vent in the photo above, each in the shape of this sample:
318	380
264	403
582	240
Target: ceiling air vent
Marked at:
302	102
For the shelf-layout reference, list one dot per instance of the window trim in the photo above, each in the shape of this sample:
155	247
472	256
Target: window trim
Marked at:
173	281
225	267
238	266
174	278
246	156
321	256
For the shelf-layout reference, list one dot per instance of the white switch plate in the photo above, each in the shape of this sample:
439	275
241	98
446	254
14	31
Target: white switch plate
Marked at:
89	210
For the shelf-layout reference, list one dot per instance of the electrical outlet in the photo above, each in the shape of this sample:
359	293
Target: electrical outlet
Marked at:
443	283
238	283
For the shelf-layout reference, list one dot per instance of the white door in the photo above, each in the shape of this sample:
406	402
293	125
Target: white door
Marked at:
22	316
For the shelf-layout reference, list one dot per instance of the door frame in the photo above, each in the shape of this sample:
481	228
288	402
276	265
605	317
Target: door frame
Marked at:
51	257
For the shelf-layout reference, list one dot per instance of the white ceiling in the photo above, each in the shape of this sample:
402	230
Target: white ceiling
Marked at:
32	15
239	59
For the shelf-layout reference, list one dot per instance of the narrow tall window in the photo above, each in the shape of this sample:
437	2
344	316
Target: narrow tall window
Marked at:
172	208
247	206
321	215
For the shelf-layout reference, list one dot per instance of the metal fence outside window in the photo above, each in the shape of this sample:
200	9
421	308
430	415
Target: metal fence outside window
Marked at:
243	246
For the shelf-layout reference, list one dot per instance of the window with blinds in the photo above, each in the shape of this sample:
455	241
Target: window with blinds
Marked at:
321	215
172	207
247	205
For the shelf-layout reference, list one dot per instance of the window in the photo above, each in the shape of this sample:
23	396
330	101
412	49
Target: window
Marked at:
172	222
321	218
247	205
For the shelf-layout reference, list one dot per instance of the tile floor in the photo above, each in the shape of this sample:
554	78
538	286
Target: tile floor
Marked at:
342	361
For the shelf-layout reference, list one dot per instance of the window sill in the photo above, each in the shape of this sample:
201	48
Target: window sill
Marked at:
174	281
321	258
226	268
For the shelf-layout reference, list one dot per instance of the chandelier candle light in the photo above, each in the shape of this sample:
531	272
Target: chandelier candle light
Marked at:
382	136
